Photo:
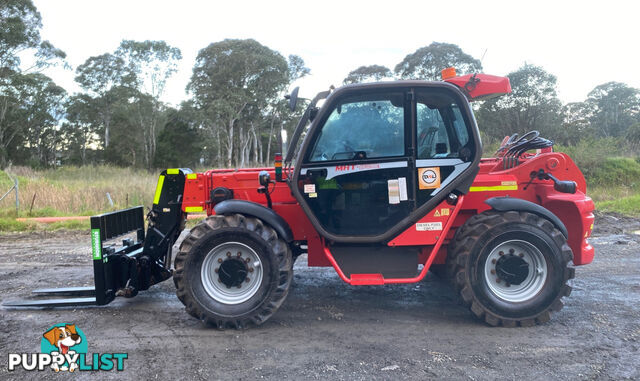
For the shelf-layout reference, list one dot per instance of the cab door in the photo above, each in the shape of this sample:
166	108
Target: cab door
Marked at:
355	176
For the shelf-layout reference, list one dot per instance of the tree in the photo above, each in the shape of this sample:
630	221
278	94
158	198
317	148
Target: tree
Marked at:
179	142
80	130
427	62
229	78
632	137
368	73
577	121
42	105
532	105
615	106
20	25
279	107
149	65
99	75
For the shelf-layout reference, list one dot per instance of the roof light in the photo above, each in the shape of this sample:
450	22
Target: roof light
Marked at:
449	72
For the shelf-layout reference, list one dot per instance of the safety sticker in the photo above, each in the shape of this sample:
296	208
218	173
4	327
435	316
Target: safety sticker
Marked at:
428	226
394	191
402	184
313	195
309	188
429	178
441	212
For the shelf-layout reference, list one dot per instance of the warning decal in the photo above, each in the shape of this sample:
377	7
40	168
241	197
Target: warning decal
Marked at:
428	226
429	178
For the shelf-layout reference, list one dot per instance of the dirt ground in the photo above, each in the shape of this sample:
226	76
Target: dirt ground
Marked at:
327	329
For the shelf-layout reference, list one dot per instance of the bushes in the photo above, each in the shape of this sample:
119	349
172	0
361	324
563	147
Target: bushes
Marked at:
603	162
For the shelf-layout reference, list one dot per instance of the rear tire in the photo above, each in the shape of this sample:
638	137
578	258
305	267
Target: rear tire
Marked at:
510	268
233	271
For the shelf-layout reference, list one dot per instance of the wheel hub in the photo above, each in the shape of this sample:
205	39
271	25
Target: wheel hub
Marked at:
515	271
512	269
231	273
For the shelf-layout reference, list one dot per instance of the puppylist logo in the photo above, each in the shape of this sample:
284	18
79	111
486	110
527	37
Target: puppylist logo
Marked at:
64	349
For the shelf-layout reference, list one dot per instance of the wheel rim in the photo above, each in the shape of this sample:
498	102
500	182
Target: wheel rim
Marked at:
231	273
515	271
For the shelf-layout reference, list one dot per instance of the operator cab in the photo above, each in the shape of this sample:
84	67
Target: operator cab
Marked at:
379	156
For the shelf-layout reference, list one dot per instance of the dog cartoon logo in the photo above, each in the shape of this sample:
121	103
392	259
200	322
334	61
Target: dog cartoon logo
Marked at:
67	341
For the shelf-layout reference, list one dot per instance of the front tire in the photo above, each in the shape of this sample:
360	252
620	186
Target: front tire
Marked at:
233	271
510	268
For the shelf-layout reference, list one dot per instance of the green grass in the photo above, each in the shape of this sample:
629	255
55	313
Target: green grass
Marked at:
629	206
73	191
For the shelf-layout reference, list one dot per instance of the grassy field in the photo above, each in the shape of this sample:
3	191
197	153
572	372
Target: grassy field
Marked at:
614	184
72	191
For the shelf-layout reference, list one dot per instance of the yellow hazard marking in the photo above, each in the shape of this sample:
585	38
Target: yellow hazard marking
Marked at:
191	209
494	188
156	198
192	176
441	212
173	171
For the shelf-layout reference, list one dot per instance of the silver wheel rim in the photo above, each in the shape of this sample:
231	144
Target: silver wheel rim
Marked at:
530	286
215	262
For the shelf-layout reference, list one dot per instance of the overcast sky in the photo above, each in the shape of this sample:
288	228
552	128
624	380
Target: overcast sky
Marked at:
584	43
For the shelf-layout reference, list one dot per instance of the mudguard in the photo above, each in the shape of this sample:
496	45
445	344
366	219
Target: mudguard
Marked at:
259	211
504	204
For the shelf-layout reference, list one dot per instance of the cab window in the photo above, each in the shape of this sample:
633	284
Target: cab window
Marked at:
441	129
362	129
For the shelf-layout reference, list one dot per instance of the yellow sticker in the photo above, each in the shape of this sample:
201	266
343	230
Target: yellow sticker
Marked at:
444	211
156	198
429	178
493	188
313	195
509	183
192	176
436	214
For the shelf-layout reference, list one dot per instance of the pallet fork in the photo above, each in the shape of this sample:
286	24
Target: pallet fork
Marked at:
139	262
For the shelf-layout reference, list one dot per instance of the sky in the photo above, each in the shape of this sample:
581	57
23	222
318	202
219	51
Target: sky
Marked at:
584	43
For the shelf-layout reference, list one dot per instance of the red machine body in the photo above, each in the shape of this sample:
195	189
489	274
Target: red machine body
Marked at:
575	210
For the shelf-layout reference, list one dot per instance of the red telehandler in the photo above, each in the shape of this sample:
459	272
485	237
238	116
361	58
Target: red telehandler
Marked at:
383	182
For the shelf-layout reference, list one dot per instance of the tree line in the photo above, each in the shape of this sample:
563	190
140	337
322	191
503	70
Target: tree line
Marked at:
236	107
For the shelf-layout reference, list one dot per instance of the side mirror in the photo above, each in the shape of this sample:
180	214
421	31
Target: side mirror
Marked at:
293	98
264	178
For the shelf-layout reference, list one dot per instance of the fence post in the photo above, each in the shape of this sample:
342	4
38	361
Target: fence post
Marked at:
15	181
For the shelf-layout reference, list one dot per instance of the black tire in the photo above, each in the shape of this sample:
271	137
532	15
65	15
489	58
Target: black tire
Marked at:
480	237
272	251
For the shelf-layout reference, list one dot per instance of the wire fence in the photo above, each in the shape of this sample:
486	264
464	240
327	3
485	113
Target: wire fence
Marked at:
15	188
